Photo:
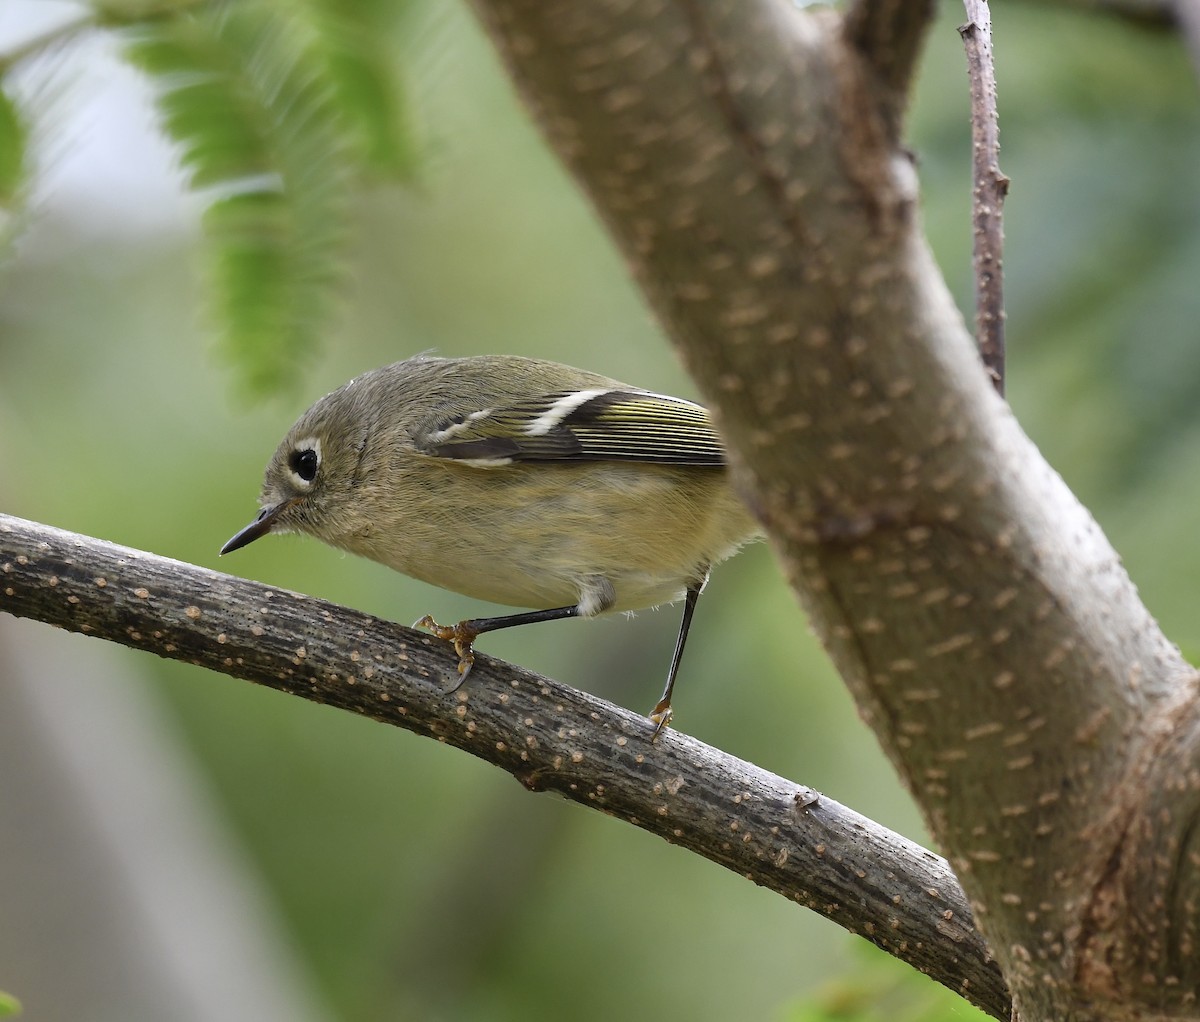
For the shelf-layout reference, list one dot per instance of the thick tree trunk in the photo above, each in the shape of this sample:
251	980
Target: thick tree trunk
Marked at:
746	158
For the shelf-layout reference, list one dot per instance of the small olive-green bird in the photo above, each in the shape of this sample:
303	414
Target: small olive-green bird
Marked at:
513	480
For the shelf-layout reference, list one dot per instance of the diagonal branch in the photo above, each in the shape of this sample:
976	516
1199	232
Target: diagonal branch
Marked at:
781	835
745	160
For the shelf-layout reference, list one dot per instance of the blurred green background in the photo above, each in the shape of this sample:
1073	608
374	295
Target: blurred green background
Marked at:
413	881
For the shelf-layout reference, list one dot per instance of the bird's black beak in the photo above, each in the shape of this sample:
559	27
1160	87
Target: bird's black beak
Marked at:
257	528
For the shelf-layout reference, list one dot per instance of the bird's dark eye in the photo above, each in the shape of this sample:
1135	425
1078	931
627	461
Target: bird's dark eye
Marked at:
304	463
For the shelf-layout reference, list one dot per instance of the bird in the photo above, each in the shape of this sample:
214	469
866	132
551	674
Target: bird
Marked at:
517	481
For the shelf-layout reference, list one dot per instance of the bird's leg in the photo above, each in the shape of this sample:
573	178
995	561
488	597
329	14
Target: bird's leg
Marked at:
464	634
596	595
662	713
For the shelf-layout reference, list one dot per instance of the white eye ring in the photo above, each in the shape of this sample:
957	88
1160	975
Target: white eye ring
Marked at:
303	468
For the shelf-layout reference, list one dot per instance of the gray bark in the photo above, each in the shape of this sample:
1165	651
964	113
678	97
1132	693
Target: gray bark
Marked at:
779	834
747	159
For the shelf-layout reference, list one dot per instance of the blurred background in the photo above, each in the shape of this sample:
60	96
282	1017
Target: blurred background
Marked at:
177	844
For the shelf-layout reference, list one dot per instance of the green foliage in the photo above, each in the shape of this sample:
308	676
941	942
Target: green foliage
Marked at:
883	989
13	137
277	109
359	42
245	94
10	1007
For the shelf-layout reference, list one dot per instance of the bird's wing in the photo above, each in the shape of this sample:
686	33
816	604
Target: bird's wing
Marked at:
581	425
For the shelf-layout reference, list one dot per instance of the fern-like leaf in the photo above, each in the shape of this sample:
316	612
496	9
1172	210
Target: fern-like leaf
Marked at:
13	142
359	43
246	94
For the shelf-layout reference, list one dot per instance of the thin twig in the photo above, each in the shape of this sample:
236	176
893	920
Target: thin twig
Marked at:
989	188
781	835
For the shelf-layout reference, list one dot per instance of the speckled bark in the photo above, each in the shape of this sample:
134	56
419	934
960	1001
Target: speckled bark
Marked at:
780	835
745	157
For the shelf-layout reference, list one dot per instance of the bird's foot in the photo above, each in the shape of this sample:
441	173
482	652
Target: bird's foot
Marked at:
462	635
660	717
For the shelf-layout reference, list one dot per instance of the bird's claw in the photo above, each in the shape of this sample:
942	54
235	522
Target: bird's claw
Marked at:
661	716
462	635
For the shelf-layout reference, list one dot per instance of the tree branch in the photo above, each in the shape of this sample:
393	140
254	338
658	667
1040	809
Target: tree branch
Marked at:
889	35
743	159
989	187
780	835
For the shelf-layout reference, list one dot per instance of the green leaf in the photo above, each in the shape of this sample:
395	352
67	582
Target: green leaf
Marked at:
882	989
9	1005
360	47
245	92
13	138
